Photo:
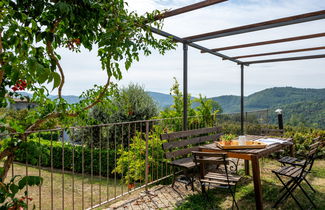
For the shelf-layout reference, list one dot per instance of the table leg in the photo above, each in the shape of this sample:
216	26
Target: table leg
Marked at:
292	150
246	164
257	182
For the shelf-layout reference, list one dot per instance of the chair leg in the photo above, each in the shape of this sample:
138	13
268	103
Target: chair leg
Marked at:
302	189
295	186
192	182
233	197
291	185
289	191
288	184
174	177
310	185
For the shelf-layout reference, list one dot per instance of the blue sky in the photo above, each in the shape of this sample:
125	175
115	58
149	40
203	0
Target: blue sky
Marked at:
209	75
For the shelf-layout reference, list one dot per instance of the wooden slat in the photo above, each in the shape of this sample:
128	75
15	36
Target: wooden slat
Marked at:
184	162
254	44
181	134
196	140
279	52
188	8
212	160
314	145
292	171
286	59
312	152
219	176
179	153
298	174
216	182
259	26
210	154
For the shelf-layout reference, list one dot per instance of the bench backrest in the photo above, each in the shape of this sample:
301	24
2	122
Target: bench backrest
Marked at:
184	142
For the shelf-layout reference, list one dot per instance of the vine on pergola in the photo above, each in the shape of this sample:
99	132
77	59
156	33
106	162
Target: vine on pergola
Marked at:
31	31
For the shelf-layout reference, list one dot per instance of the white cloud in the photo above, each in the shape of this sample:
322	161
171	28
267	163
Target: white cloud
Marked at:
208	74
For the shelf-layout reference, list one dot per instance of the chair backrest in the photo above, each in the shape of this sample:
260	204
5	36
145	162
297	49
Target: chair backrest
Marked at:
272	132
182	143
311	155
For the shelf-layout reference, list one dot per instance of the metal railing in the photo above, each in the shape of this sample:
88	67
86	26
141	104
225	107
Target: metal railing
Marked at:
88	167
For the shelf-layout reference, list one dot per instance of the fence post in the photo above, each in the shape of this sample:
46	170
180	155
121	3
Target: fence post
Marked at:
147	152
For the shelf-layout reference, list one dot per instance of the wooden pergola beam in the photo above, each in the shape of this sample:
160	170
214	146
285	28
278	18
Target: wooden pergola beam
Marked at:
285	59
280	52
254	44
259	26
188	8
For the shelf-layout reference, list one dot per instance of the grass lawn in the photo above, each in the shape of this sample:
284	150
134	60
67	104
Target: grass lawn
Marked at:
106	190
221	199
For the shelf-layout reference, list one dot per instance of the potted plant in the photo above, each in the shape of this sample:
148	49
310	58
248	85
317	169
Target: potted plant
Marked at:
227	138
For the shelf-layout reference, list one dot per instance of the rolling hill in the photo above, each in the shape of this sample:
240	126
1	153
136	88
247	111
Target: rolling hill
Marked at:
300	106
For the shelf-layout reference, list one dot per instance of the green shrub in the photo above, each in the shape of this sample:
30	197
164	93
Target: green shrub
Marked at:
132	161
36	149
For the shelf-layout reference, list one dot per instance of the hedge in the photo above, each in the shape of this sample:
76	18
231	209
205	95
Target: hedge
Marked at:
35	149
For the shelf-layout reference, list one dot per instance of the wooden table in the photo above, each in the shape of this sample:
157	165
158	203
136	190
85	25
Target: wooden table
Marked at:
253	155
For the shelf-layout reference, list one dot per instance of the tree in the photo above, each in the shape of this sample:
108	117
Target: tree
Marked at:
207	108
130	103
31	32
176	109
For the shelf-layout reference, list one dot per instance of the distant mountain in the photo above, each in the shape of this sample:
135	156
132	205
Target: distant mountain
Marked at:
163	100
269	98
300	106
71	99
229	103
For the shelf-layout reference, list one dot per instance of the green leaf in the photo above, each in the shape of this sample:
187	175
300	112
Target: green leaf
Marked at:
57	80
14	189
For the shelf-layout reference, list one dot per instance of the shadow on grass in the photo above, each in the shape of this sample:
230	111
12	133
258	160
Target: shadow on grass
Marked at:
245	197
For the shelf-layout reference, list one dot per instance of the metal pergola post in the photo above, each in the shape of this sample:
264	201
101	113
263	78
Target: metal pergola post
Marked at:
185	66
242	99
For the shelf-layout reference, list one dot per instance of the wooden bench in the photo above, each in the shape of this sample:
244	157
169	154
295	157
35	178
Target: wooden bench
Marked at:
179	149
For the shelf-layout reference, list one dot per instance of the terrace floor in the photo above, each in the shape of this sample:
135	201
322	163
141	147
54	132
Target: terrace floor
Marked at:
158	197
165	197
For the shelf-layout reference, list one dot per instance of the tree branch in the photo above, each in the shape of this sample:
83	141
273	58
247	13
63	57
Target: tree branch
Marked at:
56	114
44	119
99	98
2	73
10	129
6	165
50	51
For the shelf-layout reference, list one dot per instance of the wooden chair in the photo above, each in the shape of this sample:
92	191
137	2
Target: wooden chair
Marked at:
179	149
296	175
221	179
288	160
299	162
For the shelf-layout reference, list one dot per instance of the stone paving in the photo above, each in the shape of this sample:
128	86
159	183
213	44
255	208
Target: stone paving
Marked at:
159	197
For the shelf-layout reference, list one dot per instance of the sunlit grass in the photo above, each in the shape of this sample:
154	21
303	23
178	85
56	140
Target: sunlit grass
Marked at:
102	189
221	199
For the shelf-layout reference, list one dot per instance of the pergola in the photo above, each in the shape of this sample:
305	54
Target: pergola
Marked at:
192	42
